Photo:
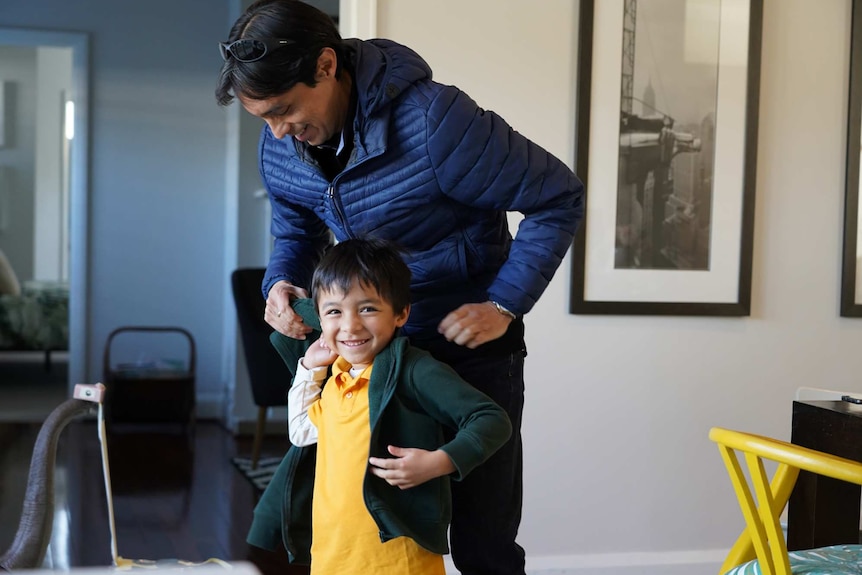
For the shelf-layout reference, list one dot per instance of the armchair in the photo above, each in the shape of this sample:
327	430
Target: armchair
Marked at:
762	549
269	376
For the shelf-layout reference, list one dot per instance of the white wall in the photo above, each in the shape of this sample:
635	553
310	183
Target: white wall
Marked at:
619	473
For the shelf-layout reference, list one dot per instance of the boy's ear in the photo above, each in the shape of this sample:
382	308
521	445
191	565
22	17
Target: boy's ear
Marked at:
401	318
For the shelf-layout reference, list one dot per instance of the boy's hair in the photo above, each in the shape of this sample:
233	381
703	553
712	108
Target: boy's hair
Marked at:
370	261
280	70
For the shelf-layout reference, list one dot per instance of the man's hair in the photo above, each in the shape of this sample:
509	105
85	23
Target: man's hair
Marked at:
280	70
371	262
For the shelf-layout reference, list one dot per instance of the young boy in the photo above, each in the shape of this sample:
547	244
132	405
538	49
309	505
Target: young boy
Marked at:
380	481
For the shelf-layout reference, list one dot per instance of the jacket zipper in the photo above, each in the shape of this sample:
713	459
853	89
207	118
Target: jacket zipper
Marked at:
336	208
342	219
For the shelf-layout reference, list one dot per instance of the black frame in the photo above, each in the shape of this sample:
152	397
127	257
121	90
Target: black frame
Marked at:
578	305
849	306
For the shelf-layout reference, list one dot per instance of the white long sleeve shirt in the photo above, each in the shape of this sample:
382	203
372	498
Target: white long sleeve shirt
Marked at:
305	390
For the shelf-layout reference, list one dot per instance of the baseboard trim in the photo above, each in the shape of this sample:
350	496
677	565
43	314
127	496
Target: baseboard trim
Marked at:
705	562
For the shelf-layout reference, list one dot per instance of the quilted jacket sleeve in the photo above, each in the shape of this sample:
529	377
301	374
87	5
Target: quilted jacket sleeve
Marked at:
300	237
479	160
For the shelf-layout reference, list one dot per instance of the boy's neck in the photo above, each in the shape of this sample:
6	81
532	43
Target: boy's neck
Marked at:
343	365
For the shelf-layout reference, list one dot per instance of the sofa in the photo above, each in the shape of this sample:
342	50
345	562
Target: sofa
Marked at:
34	315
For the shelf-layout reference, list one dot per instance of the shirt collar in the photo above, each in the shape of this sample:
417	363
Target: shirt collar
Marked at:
341	365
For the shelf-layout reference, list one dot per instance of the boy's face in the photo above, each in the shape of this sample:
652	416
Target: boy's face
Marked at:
358	324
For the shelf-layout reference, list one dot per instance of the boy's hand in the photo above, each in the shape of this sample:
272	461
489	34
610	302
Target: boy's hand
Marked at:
410	467
318	355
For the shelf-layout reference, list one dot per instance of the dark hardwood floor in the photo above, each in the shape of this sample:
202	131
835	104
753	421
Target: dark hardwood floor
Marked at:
176	496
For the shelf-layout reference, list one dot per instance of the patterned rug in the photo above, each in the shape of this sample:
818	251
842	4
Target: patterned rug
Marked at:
261	476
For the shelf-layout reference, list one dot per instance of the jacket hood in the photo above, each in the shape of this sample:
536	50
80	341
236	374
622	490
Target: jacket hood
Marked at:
383	69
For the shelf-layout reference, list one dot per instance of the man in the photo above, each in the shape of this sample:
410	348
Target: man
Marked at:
360	141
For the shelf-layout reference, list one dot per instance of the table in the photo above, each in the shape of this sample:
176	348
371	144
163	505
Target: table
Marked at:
824	511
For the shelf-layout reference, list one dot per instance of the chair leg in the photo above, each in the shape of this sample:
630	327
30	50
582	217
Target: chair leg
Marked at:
258	436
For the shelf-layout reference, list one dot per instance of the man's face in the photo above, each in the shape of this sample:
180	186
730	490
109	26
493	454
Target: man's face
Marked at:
312	115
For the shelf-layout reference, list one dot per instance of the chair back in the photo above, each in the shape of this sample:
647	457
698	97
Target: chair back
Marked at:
820	394
269	376
762	499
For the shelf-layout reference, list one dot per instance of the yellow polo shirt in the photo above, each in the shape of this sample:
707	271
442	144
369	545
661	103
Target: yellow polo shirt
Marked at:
345	538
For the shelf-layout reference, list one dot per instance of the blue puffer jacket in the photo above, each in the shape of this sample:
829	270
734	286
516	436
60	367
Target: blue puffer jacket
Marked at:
435	173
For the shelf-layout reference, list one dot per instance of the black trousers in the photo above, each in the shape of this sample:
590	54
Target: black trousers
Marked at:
486	505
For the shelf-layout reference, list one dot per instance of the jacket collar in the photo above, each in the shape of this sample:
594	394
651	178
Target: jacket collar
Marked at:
291	350
382	70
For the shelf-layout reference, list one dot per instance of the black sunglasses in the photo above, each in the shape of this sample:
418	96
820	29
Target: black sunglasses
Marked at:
251	49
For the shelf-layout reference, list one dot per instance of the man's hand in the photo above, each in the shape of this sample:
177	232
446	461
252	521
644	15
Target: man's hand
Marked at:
409	467
473	324
280	315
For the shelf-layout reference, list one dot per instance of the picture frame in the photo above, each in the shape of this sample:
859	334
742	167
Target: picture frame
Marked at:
851	283
666	144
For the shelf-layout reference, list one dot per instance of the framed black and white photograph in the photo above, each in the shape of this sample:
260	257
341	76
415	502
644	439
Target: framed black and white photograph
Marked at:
851	284
667	105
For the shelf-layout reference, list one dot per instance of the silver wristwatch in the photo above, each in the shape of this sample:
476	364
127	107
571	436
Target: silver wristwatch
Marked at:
502	310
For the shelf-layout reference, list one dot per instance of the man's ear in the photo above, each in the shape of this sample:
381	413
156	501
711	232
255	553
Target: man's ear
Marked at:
327	64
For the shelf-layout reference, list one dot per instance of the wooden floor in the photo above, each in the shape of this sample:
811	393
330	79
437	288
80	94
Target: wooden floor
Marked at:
176	496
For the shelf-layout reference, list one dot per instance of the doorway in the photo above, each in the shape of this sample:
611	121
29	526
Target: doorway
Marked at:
43	191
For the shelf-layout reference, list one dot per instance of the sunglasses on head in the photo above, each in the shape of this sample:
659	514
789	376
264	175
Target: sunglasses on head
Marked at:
251	49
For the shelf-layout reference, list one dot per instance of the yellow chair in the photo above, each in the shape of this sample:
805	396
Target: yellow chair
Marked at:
762	549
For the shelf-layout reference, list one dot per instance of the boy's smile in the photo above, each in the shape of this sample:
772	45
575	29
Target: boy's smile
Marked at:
358	324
